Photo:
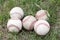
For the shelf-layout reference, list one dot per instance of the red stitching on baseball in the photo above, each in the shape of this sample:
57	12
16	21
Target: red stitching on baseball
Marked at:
26	19
37	16
32	24
13	26
43	24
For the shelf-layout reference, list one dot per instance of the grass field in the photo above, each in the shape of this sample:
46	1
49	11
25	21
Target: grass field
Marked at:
30	7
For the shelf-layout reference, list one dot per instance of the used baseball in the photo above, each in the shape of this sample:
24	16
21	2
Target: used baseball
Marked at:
28	22
42	14
14	25
16	12
41	27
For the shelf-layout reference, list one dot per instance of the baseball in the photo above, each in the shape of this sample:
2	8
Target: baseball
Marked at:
16	12
14	25
42	14
41	27
28	22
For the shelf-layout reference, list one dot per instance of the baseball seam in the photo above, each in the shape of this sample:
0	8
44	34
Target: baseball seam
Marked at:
24	20
38	16
32	23
43	24
13	26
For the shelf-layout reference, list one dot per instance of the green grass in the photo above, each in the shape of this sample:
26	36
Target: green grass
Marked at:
30	7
